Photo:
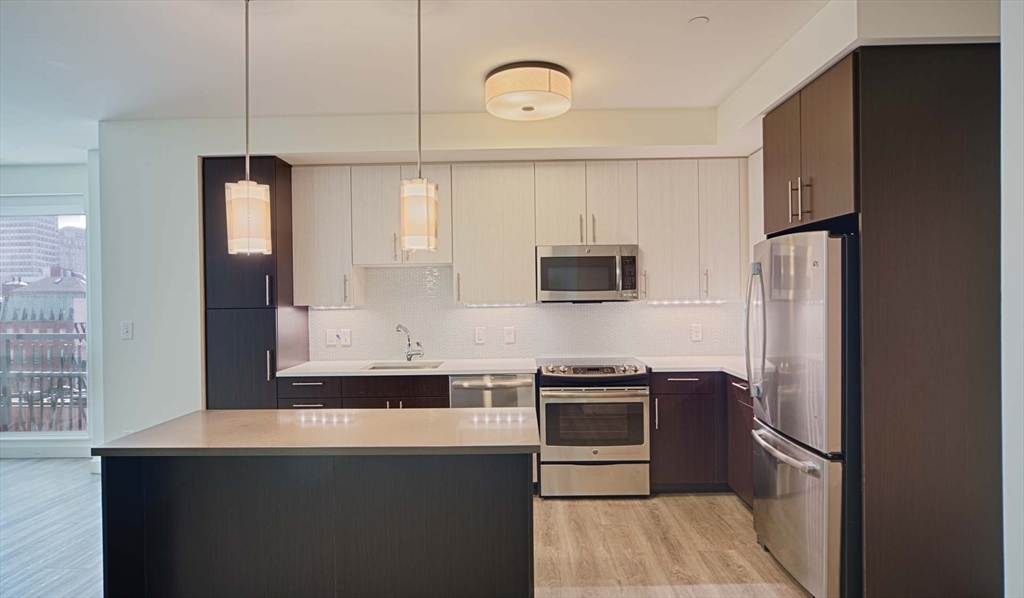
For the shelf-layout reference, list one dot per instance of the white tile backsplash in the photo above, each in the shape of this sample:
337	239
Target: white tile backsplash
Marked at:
421	298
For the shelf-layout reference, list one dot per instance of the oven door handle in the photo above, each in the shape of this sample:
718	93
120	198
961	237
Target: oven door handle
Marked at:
597	396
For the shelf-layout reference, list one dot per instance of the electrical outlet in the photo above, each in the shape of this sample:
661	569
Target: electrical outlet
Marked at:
345	337
332	337
696	332
510	335
127	330
478	335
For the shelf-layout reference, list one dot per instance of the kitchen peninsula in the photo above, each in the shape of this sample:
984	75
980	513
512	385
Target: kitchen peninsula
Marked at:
334	502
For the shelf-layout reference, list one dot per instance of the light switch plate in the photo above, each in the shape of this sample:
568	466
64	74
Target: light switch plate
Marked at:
345	337
478	335
332	337
696	332
127	330
510	335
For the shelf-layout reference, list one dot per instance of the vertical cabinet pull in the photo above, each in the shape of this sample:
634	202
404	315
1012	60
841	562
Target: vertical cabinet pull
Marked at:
655	413
268	289
593	227
458	287
799	200
387	405
268	366
395	245
645	284
581	229
789	192
400	404
344	282
707	282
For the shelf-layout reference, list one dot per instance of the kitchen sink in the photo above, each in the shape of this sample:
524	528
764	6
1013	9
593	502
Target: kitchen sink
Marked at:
404	365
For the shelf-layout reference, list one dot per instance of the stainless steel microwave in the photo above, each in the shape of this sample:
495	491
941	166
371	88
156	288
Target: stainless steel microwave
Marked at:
587	273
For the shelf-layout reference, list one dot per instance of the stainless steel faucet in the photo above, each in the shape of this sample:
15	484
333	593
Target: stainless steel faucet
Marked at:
409	351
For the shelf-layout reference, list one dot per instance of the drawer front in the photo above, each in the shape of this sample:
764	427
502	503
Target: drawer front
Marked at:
683	383
738	390
308	388
394	386
309	403
395	402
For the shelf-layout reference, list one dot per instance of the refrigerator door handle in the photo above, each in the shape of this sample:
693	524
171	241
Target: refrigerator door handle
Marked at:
803	466
755	270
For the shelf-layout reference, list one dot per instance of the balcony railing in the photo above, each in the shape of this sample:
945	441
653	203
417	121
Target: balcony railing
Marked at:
43	383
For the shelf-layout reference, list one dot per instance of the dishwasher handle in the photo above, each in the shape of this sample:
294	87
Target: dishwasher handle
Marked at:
483	385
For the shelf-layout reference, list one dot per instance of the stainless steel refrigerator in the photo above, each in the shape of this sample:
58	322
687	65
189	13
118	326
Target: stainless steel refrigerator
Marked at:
803	367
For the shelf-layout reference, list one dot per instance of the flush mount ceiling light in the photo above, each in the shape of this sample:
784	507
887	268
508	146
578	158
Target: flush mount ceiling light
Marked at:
248	202
419	196
528	91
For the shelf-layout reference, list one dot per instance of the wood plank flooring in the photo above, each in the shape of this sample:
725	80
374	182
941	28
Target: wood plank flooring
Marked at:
668	545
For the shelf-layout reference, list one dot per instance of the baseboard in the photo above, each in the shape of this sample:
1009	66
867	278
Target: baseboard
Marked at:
45	448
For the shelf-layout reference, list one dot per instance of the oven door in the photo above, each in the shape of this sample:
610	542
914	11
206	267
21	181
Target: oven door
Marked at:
580	273
594	424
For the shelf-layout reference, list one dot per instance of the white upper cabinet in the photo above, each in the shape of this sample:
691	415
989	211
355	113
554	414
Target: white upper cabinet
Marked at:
722	232
493	233
669	229
611	203
375	215
442	175
322	237
561	189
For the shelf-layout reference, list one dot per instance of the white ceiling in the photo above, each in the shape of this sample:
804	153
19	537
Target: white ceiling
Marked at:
65	65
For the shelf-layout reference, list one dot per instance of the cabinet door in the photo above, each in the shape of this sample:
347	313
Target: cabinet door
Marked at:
240	363
493	233
369	403
721	268
376	191
442	175
741	449
322	224
683	440
611	203
669	229
423	402
781	136
561	189
827	155
235	281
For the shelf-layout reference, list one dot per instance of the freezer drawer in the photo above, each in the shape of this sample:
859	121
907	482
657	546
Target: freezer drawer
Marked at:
798	509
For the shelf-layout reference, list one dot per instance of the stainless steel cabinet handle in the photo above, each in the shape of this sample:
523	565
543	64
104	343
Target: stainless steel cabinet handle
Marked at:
399	404
387	405
581	229
655	413
268	289
740	386
684	379
395	237
645	284
491	385
307	383
707	282
593	227
799	200
594	396
804	466
458	287
789	191
344	286
268	366
300	405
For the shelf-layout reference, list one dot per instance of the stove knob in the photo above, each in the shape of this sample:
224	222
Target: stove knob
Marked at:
563	369
550	369
636	369
622	369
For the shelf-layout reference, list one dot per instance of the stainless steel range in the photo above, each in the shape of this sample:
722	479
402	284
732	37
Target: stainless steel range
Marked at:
594	422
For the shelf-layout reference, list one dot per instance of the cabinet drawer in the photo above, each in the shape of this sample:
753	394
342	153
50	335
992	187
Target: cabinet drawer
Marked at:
395	386
738	390
683	383
395	402
308	388
309	403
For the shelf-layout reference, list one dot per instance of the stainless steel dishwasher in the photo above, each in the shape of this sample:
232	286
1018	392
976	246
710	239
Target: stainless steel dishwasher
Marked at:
493	390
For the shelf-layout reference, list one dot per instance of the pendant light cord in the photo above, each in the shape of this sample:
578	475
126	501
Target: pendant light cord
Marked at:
247	90
419	94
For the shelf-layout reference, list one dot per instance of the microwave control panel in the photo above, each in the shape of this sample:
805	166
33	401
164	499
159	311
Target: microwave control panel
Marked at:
629	276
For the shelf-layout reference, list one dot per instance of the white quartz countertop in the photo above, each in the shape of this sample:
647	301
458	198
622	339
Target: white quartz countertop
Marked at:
335	432
734	365
448	367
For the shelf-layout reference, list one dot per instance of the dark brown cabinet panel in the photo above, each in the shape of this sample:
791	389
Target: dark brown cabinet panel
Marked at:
368	403
741	444
395	386
240	359
827	147
309	403
304	388
423	403
683	440
684	383
397	402
781	136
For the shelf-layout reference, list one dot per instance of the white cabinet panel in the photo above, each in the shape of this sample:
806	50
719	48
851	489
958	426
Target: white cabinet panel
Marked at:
669	229
442	175
611	203
721	267
322	240
493	233
376	192
561	189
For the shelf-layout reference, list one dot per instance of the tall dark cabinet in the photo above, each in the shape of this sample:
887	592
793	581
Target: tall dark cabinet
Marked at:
900	145
252	327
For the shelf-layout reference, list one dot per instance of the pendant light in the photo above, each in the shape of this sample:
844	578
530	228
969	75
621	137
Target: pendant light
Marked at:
419	196
248	202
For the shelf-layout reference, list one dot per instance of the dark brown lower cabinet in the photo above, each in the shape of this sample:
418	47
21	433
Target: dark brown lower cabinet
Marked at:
309	403
741	444
395	402
683	440
240	358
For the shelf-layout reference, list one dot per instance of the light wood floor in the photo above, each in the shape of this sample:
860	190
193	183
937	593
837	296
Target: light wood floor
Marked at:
669	545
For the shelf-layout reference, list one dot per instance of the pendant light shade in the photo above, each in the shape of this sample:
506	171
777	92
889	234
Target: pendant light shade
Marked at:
528	91
419	215
248	210
419	196
248	202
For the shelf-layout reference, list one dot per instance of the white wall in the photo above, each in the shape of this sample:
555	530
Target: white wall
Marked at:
1013	291
755	172
45	179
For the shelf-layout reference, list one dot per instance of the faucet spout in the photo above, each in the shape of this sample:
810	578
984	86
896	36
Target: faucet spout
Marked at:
409	351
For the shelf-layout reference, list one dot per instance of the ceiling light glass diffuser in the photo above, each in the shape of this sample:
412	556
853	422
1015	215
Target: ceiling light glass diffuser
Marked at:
528	91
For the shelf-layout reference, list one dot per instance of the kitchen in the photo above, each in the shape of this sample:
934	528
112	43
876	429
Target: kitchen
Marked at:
574	371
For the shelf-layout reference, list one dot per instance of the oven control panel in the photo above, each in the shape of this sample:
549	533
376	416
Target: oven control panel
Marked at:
603	370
